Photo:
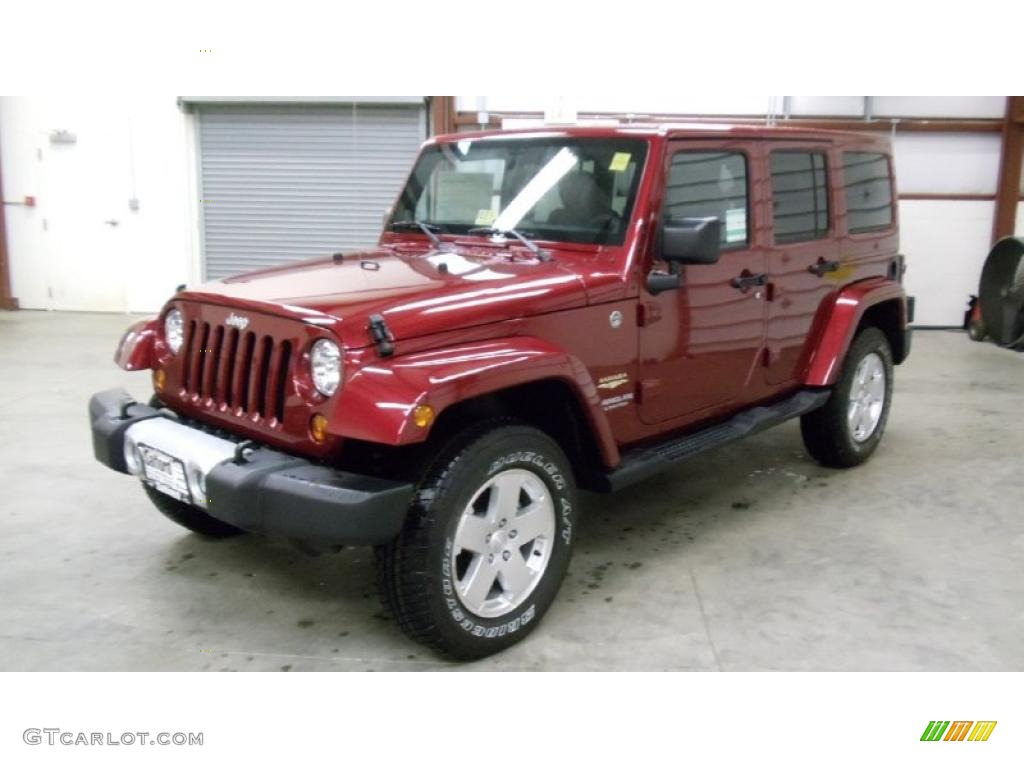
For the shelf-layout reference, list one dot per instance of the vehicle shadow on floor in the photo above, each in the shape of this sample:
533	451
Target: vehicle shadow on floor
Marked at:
256	596
268	603
660	519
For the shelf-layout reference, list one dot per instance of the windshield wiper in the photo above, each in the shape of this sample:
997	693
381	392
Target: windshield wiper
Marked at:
542	255
422	226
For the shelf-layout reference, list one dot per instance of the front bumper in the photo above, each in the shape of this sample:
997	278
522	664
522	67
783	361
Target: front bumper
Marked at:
257	489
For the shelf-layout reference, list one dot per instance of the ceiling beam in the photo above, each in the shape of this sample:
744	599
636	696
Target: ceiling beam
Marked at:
442	115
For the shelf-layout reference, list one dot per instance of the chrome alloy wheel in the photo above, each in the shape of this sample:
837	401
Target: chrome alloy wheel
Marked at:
867	397
503	543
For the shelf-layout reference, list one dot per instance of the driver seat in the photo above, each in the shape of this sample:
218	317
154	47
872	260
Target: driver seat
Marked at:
584	201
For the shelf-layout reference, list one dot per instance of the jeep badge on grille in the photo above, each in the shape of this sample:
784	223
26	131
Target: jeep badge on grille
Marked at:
238	321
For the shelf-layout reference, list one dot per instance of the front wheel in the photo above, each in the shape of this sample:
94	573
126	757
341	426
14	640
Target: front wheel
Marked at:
186	515
847	429
190	517
486	544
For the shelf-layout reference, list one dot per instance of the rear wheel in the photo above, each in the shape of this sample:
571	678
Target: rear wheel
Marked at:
847	429
486	544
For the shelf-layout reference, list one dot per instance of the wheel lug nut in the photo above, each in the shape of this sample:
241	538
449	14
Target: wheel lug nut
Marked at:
502	523
513	534
506	555
490	558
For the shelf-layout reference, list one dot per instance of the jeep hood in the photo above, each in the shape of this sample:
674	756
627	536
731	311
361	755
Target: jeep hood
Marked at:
417	293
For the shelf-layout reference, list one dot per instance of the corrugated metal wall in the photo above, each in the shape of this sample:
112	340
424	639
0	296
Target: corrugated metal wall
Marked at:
281	183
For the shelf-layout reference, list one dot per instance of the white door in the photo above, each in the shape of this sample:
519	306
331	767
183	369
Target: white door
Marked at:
84	199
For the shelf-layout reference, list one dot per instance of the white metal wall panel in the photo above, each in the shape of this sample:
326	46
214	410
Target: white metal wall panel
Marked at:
282	183
826	106
945	242
615	103
853	106
970	107
947	163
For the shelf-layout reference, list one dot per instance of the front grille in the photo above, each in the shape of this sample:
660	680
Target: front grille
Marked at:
244	372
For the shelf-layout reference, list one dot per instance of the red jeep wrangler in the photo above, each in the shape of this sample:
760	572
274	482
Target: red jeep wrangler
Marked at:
546	311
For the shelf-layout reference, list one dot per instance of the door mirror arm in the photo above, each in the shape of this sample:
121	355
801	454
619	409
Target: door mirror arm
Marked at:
659	282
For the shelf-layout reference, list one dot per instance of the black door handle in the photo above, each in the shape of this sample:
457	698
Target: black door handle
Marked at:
822	266
746	281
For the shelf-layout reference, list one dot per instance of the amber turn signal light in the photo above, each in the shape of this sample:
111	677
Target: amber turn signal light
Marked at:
159	379
318	427
423	416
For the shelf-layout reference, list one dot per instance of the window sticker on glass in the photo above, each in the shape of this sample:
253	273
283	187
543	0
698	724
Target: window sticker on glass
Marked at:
620	161
735	225
485	217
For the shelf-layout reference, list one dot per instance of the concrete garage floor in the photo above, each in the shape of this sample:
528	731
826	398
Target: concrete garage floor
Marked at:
750	558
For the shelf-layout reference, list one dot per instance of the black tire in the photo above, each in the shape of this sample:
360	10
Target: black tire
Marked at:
418	571
186	515
826	432
190	517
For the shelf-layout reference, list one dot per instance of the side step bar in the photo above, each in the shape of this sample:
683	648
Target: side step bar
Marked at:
641	463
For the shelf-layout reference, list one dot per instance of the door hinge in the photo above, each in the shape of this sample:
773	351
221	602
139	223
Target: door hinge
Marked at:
647	314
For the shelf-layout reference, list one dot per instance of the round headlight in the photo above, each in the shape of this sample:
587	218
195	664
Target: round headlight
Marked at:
325	363
174	330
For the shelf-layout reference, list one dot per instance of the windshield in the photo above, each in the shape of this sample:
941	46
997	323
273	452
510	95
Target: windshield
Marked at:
561	189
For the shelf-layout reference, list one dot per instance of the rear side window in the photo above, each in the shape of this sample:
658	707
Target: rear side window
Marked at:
706	184
867	187
799	196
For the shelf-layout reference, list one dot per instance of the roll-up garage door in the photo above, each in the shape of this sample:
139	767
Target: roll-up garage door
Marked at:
282	183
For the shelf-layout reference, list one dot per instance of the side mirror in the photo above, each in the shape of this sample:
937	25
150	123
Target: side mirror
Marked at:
691	241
